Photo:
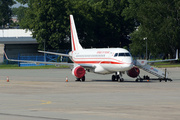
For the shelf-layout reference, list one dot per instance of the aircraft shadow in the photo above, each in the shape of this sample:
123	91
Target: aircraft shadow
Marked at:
128	81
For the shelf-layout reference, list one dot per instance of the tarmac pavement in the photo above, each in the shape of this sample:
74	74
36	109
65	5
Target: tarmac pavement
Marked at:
44	95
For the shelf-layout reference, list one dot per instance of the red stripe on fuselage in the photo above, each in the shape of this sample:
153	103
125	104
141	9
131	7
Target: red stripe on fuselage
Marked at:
97	62
107	62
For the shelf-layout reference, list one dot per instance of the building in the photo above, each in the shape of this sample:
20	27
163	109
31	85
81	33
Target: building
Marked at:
15	41
14	19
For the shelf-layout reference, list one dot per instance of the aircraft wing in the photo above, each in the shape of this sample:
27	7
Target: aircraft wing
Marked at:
60	54
165	60
38	62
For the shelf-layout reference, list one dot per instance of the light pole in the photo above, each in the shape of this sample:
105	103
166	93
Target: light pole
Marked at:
146	46
44	52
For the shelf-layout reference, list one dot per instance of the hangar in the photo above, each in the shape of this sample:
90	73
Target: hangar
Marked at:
15	41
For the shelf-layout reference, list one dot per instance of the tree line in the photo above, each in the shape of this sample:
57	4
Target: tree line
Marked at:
159	23
104	23
5	11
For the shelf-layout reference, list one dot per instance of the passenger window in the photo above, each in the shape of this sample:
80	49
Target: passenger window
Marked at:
116	55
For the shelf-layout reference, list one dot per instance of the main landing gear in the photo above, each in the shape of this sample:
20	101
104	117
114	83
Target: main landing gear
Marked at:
117	76
80	79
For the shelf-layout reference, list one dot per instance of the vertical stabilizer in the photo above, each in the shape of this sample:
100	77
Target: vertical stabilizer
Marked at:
74	38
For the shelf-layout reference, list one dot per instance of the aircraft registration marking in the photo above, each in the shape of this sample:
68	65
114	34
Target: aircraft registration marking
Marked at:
103	52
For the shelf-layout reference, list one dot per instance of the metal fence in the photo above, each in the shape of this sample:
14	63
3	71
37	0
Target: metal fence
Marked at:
46	57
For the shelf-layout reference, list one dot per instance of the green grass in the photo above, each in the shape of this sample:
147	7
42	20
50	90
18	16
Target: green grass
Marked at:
166	64
15	66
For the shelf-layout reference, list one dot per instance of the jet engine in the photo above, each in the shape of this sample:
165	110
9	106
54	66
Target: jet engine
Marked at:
133	72
78	71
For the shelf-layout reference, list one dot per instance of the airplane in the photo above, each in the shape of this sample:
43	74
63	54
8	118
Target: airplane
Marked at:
114	61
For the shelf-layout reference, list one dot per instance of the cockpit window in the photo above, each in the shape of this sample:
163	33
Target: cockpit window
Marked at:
121	54
116	54
127	54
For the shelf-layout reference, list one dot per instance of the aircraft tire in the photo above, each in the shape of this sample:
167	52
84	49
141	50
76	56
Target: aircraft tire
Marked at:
113	77
117	77
121	80
78	79
83	78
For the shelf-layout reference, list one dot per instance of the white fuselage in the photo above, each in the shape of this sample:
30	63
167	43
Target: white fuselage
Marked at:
104	60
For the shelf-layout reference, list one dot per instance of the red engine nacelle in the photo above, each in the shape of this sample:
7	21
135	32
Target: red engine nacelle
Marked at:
78	71
133	72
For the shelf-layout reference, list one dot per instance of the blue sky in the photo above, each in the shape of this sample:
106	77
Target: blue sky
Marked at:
18	4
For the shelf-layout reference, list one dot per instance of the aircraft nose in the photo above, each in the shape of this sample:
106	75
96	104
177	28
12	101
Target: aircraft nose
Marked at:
129	62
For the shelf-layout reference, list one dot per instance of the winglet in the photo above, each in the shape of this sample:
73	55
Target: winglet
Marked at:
6	55
177	54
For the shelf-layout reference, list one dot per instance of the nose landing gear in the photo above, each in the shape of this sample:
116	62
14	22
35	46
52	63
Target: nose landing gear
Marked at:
117	76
